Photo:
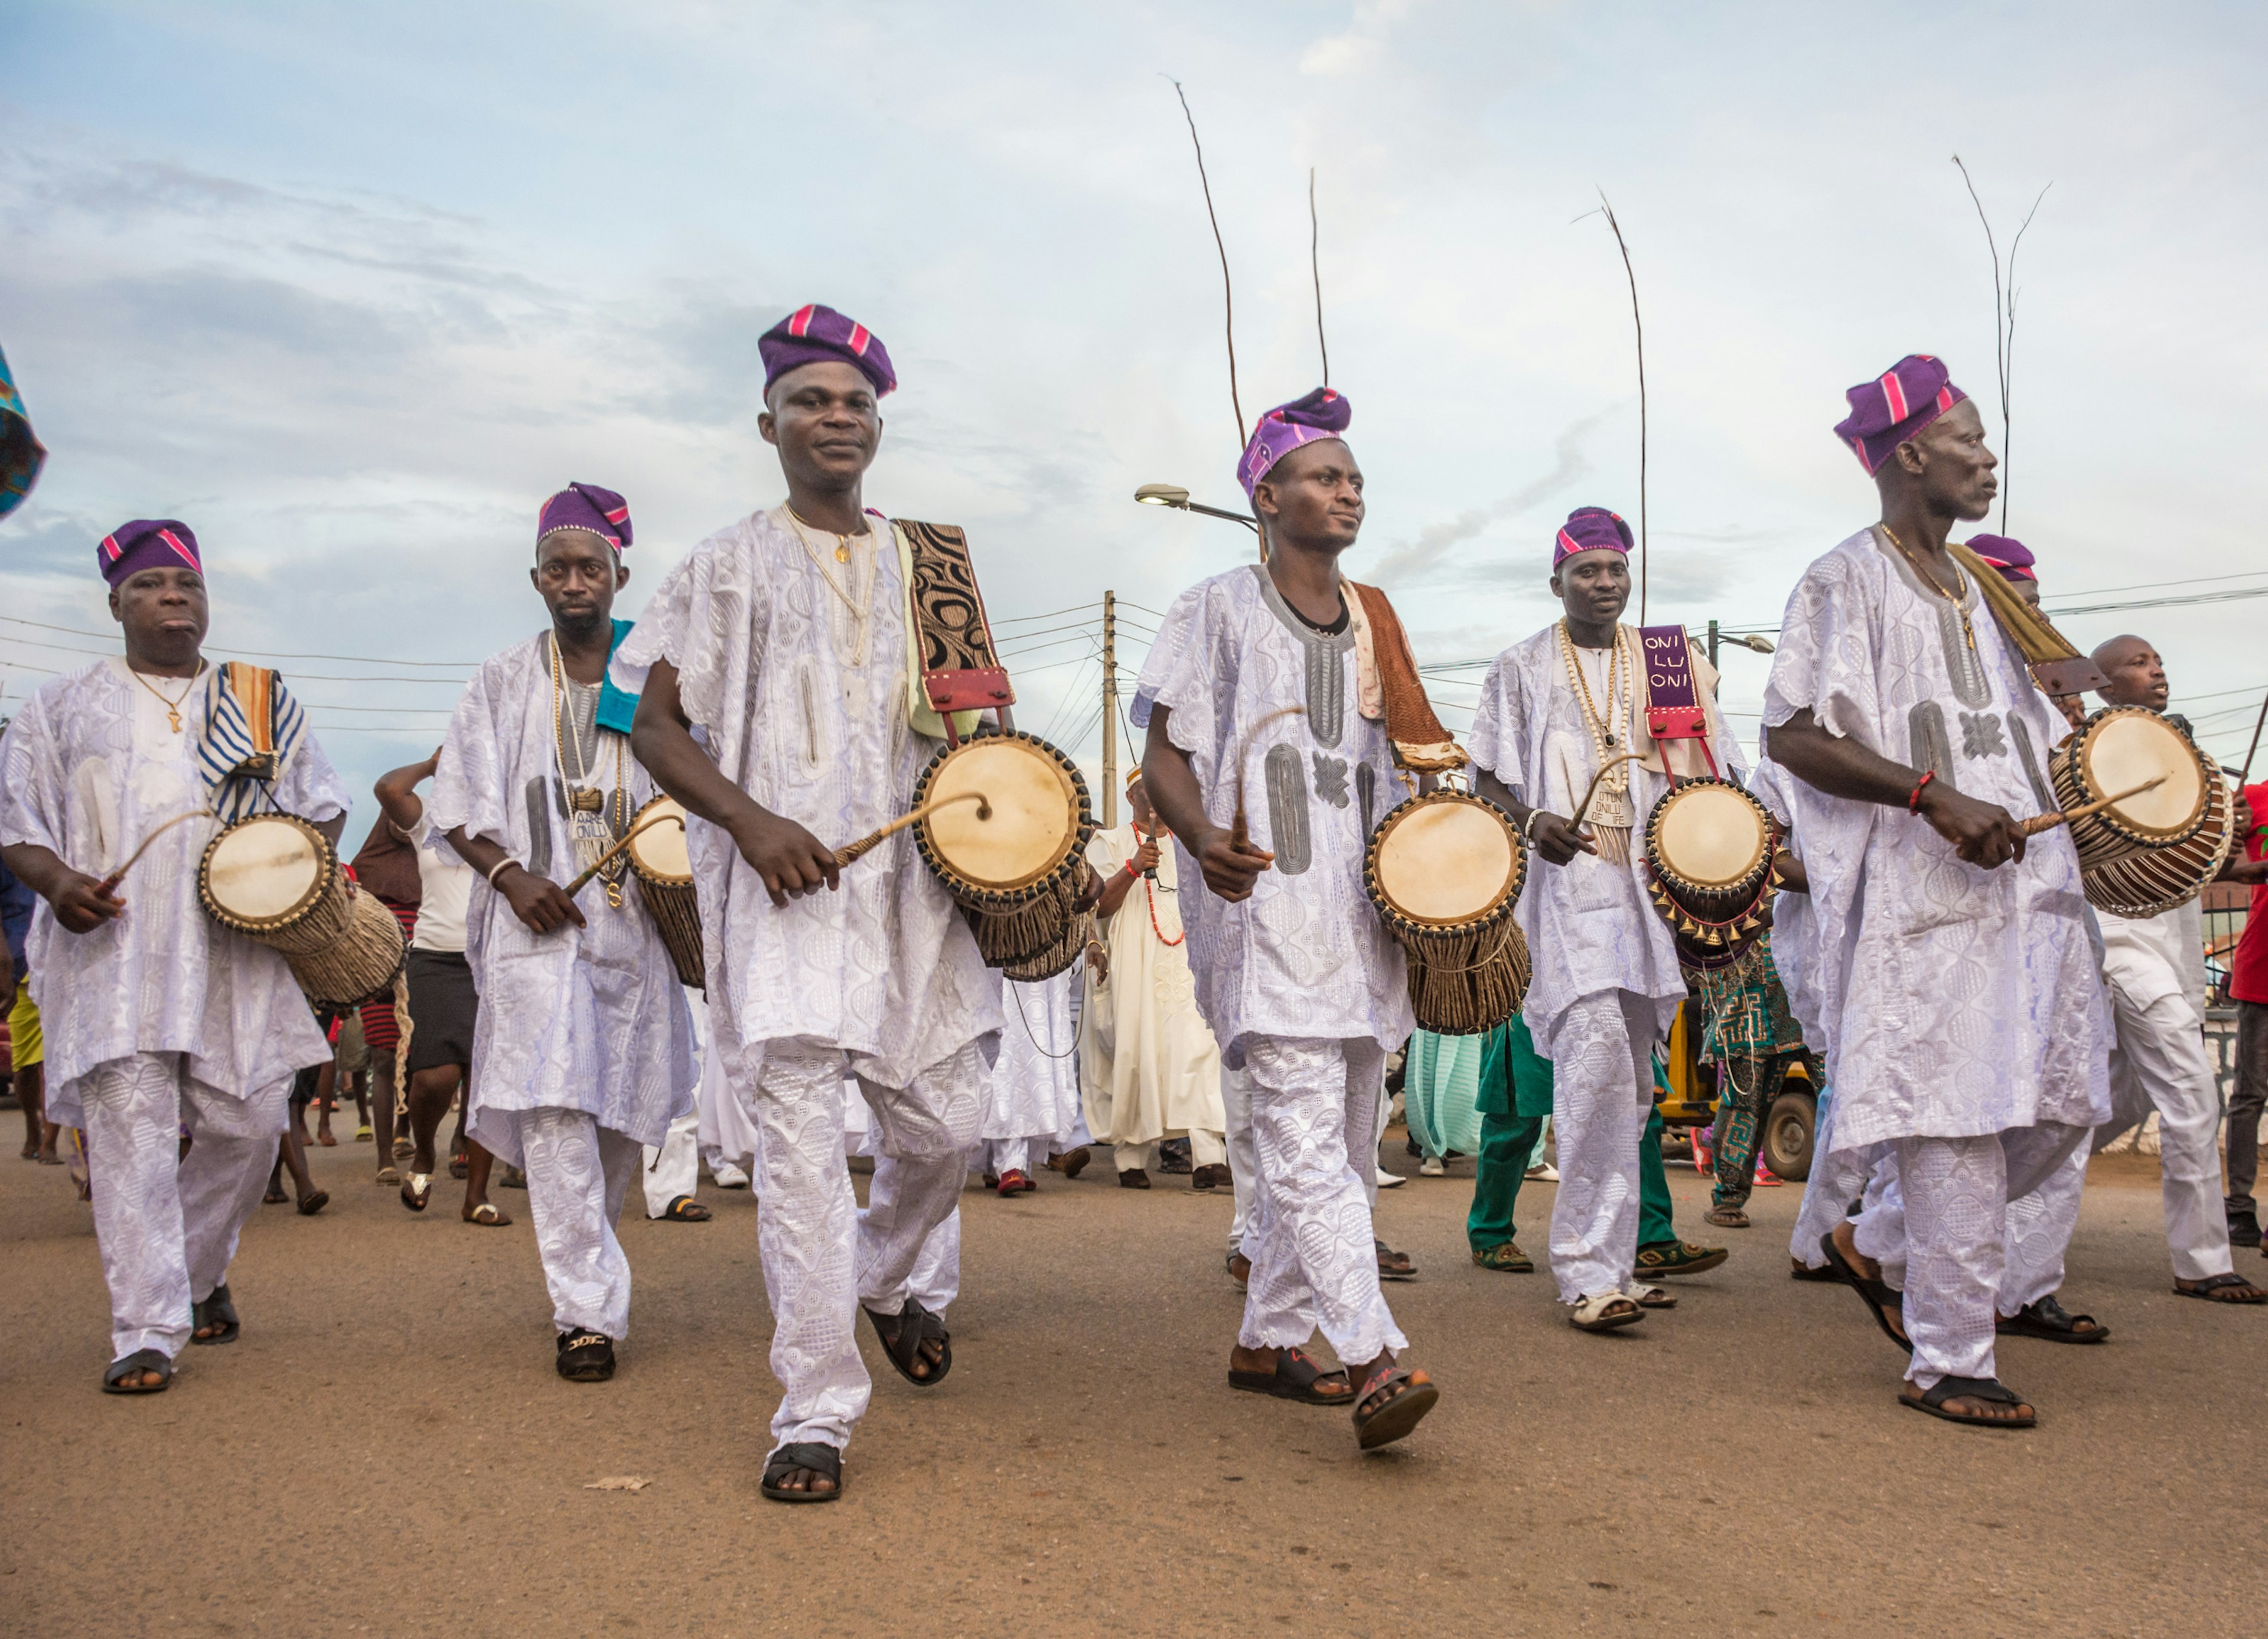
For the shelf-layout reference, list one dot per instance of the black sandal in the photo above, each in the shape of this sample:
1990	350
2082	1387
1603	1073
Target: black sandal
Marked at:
1933	1401
2226	1282
142	1360
1392	1265
1392	1418
815	1456
1880	1298
902	1336
2048	1318
585	1356
685	1210
218	1310
1295	1378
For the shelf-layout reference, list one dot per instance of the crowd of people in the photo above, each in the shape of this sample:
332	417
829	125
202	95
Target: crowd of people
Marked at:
1973	1025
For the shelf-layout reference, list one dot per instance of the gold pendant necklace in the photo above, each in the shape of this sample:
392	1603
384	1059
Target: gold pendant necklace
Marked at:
173	707
1958	597
842	540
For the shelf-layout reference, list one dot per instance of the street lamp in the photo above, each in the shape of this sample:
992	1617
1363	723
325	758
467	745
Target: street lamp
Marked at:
1175	496
1761	644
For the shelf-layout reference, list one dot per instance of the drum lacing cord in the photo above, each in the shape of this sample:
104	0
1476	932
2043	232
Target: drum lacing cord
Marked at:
1504	939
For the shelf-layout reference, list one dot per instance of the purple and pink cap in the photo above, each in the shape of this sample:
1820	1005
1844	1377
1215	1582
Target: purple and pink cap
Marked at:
586	507
1590	529
1895	407
816	335
147	543
1322	413
2011	557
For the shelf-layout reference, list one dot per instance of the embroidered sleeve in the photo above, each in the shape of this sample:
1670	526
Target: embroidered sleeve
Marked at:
1183	675
1829	641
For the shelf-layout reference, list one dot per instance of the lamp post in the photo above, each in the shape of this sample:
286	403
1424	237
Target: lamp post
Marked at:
1175	496
1762	645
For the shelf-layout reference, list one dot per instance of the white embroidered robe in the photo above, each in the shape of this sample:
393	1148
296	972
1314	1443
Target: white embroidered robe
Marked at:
1953	1000
1266	705
588	1018
814	726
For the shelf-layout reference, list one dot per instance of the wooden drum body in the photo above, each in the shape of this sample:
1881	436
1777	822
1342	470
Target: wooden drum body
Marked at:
1445	870
276	878
663	869
1709	848
2156	850
1018	870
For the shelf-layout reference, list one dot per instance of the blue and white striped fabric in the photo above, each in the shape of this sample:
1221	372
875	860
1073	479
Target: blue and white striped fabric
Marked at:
252	727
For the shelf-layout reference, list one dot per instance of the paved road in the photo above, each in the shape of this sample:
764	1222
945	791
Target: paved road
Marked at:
388	1450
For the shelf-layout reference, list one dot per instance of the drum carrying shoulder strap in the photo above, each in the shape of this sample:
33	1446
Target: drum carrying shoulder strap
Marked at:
1421	744
958	671
252	726
1673	703
2056	665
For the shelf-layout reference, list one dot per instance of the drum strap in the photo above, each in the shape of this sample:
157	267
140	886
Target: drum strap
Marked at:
2056	665
1673	704
1383	650
960	670
252	726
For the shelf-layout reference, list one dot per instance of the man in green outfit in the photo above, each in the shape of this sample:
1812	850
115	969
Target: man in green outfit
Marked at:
1514	1102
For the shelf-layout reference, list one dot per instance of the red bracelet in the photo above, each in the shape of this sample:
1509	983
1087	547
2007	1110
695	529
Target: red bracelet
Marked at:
1913	802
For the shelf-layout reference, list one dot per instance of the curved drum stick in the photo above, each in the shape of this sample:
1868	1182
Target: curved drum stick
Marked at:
867	844
2038	823
601	862
109	883
1576	824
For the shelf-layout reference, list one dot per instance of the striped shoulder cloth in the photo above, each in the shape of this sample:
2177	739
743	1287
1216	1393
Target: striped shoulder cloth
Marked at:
252	728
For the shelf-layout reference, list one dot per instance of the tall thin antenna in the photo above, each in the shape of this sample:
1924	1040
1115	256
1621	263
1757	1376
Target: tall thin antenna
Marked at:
1227	295
1639	322
1315	266
2004	320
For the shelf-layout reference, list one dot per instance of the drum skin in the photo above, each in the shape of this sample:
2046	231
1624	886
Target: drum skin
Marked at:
1709	848
275	878
663	866
2153	853
1444	870
1018	871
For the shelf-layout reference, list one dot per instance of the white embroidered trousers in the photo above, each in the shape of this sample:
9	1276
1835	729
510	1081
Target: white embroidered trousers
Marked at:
1314	1262
578	1174
2159	1062
674	1169
1602	1092
1244	1165
168	1227
1952	1208
823	1258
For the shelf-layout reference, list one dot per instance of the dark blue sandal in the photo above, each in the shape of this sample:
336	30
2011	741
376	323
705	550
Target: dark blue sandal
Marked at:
142	1360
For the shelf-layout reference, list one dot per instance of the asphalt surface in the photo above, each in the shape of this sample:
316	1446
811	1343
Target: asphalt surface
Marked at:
387	1449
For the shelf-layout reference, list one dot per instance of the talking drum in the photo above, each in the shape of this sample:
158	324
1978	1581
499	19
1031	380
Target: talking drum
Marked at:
276	878
2151	850
1709	848
1445	870
1016	861
663	869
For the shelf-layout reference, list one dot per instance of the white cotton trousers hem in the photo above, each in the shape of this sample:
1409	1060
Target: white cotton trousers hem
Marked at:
824	1259
1602	1091
578	1174
1938	1223
167	1226
1314	1262
2159	1062
674	1169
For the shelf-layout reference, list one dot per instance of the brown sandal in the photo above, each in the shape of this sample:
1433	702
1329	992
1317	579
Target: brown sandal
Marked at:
1295	1378
1394	1417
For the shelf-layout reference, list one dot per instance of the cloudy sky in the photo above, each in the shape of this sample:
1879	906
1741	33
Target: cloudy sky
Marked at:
352	287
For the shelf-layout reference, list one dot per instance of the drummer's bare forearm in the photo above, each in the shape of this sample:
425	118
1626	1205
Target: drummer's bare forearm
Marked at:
1115	891
478	851
1497	792
77	899
539	903
1170	781
1983	833
39	869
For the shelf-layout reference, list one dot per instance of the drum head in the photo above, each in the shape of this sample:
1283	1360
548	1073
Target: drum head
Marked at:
1709	836
265	869
1447	862
2128	747
1034	814
659	851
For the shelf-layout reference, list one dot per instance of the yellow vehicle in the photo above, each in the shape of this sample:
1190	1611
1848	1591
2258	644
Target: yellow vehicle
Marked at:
1791	1115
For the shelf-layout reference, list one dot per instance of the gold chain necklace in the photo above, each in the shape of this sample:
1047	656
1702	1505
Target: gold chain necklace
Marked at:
582	800
173	707
1603	733
861	614
1958	597
842	540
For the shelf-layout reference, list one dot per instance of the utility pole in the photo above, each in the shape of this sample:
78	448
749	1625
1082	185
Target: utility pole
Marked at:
1712	645
1111	711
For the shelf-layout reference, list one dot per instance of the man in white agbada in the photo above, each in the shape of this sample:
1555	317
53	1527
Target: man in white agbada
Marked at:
784	644
1032	1107
156	1017
672	1169
2159	1062
1149	1064
583	1052
1249	698
1947	957
1556	710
